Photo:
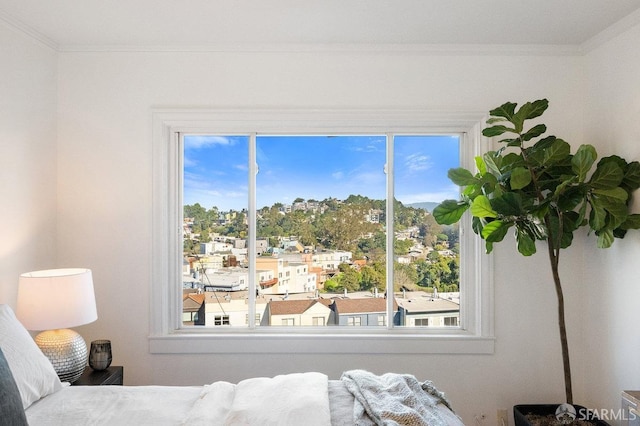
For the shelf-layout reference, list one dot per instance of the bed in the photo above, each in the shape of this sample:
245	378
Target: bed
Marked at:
31	393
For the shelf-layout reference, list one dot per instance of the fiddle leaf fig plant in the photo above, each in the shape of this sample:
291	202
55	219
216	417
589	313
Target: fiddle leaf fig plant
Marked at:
537	187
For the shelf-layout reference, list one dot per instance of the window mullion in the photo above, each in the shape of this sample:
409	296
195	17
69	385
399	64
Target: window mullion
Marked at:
390	231
251	238
176	175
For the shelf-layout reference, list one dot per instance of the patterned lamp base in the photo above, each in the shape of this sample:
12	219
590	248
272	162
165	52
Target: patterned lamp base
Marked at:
66	350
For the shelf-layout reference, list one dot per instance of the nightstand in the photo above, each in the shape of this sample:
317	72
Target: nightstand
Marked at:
111	376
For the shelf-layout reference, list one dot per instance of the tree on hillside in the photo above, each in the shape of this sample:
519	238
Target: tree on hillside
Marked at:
349	280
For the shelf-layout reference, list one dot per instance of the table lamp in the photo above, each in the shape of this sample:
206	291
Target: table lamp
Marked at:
54	300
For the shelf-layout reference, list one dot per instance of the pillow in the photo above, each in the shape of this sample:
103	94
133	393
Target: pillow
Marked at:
11	411
33	373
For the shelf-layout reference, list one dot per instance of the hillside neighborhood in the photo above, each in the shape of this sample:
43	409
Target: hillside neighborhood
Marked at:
305	285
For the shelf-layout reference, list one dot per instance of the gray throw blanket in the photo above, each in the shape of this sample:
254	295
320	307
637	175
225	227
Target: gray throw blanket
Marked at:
393	399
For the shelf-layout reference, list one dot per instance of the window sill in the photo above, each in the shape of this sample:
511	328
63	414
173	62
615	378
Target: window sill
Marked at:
375	342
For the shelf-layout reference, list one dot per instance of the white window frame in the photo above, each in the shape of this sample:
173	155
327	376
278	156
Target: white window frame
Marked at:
354	321
167	334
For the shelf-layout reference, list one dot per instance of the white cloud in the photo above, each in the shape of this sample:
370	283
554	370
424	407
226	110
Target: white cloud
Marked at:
196	142
418	162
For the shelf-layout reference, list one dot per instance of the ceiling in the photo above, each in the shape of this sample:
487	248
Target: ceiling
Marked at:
69	24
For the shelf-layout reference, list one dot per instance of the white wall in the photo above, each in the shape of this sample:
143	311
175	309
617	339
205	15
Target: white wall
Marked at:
104	144
612	344
28	73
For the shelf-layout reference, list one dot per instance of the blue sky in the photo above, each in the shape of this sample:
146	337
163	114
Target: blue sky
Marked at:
316	167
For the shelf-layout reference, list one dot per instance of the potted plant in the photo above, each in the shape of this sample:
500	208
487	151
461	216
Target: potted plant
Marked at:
535	186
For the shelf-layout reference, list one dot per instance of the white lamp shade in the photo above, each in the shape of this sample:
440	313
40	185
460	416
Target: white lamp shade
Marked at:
56	298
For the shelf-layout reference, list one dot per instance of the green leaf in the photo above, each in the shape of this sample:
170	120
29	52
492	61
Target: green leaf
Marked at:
571	197
617	193
558	151
510	161
534	132
598	216
505	110
489	247
462	177
477	225
496	130
493	120
481	207
472	191
520	177
534	228
528	111
489	183
537	108
526	244
607	175
617	210
544	143
495	231
482	168
631	180
583	160
509	204
632	222
449	211
605	238
536	153
490	163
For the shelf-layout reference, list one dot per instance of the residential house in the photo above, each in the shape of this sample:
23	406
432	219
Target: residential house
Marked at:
424	311
308	312
363	311
193	309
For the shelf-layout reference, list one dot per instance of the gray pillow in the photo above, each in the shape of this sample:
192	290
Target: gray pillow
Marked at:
11	411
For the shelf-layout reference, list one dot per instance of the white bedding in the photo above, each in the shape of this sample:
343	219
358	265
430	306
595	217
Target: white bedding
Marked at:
114	405
292	399
158	405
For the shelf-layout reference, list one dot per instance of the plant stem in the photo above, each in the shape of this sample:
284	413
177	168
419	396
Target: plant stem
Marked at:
554	258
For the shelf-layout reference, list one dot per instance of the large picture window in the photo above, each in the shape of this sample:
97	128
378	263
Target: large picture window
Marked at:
322	222
311	221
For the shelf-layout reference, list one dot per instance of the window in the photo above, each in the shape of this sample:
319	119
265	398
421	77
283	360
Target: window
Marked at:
451	321
260	131
318	321
221	320
357	321
322	209
288	321
421	322
257	319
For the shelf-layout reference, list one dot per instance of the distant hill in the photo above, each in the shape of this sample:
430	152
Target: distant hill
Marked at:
428	206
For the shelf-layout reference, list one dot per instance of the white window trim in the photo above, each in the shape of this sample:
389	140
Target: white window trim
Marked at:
476	334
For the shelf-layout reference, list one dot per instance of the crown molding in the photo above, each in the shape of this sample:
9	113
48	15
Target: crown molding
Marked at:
367	48
23	28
